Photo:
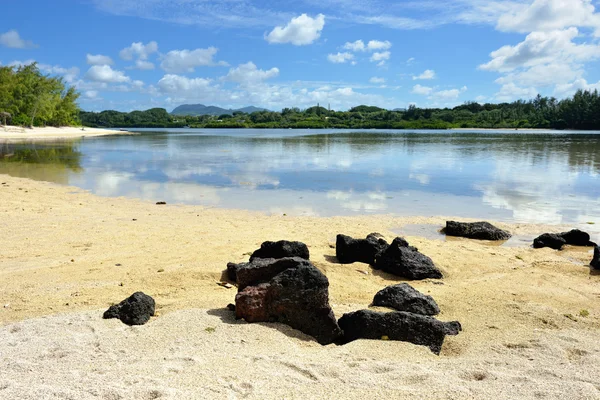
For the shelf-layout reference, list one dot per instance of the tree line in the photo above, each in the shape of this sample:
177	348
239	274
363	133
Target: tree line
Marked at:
30	98
582	111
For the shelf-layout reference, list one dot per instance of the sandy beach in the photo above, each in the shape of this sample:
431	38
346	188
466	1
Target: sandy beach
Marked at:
17	133
530	318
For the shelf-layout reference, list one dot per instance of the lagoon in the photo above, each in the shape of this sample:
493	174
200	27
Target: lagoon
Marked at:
515	176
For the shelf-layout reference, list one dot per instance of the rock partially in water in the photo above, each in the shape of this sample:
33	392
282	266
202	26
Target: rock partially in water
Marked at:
596	260
552	240
403	297
281	249
134	310
290	291
475	230
399	325
575	237
406	261
349	250
556	241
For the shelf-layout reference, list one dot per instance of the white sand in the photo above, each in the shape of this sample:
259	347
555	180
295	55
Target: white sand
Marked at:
524	336
12	133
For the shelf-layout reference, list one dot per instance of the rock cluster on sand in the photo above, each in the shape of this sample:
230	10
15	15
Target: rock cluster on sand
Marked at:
412	322
596	260
475	230
289	290
281	249
397	258
134	310
556	241
403	297
349	250
398	325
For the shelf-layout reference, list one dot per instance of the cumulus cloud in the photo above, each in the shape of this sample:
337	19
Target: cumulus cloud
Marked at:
379	45
69	74
422	90
138	50
105	74
381	56
98	59
13	40
451	94
302	30
359	45
181	85
249	73
340	58
426	75
90	94
178	61
548	15
142	65
512	92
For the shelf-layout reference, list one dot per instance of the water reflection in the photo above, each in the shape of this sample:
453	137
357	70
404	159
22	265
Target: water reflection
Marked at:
526	177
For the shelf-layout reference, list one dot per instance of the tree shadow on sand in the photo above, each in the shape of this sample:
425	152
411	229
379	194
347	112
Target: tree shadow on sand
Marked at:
228	317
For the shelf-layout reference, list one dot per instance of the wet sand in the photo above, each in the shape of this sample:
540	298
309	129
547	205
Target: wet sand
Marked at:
67	255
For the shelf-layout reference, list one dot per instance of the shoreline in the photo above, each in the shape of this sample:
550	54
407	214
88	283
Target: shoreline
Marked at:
69	254
15	133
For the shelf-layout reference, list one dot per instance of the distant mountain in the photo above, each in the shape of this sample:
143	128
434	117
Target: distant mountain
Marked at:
201	109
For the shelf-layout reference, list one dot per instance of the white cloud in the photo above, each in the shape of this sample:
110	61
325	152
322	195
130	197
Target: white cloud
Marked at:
451	94
381	56
182	85
299	31
248	73
98	59
422	90
69	74
142	65
410	61
340	58
512	92
138	50
178	61
90	94
378	45
13	40
359	45
568	89
427	74
548	15
376	80
105	74
481	99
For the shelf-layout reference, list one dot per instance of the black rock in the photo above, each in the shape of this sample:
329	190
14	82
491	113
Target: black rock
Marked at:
406	261
475	230
290	291
398	325
576	237
232	270
596	260
556	241
403	297
134	310
552	240
281	249
349	250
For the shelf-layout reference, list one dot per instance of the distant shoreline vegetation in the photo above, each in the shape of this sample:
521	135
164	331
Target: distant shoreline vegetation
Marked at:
580	112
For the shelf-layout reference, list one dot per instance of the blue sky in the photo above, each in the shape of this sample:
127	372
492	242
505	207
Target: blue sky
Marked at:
138	54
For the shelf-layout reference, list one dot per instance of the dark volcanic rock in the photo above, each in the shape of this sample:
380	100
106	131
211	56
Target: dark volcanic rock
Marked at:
596	260
552	240
406	261
556	241
134	310
290	291
281	249
404	297
232	270
475	230
349	250
576	237
398	325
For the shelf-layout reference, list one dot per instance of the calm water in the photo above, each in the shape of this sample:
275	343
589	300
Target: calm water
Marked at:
550	177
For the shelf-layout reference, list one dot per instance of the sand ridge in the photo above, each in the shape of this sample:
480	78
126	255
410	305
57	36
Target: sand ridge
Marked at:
67	255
